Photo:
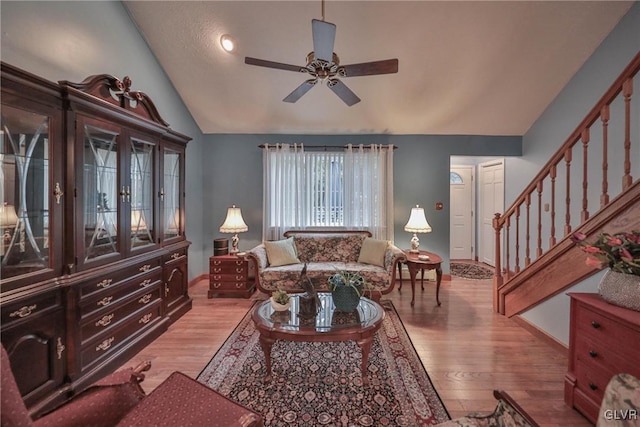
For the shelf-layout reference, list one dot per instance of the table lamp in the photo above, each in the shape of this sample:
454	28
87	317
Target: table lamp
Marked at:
417	224
234	224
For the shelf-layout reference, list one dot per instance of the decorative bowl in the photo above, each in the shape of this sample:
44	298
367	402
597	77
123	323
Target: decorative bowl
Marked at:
280	307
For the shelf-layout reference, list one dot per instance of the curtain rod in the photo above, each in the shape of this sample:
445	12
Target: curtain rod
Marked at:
325	147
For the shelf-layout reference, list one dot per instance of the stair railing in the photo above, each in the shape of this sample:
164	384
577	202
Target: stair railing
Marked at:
550	195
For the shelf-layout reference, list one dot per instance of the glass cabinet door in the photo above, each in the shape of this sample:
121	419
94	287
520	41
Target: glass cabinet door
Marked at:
172	164
25	192
100	194
142	221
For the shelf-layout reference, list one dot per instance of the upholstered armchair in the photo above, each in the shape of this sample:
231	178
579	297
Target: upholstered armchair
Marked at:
118	400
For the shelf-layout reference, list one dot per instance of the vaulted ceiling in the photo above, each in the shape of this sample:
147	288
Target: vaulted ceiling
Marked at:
465	67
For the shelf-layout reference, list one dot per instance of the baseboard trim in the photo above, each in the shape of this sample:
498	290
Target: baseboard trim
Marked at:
198	279
537	332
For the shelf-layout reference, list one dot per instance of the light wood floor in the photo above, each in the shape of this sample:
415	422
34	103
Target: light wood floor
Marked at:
466	348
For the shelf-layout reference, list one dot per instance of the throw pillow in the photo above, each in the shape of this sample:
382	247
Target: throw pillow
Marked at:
372	251
281	252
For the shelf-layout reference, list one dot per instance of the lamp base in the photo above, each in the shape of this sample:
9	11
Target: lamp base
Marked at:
234	244
415	243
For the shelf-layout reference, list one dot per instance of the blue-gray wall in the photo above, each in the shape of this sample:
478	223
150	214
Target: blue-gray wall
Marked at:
556	123
233	175
70	40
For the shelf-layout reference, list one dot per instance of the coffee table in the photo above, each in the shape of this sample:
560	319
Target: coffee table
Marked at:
329	325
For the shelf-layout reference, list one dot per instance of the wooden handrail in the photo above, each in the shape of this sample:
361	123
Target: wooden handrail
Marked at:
518	217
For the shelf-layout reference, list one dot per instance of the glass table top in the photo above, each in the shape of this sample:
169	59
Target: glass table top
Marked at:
328	319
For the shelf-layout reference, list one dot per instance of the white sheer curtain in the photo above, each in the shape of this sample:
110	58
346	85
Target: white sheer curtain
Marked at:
284	189
368	192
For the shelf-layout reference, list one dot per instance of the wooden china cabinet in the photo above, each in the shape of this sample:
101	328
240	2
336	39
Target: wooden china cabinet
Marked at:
93	254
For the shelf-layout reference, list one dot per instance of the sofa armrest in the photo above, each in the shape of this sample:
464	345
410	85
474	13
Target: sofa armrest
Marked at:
392	257
259	257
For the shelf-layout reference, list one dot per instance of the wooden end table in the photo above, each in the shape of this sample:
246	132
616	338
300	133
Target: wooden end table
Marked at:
414	264
329	325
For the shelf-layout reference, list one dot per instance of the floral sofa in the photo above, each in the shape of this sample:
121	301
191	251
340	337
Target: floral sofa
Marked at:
326	253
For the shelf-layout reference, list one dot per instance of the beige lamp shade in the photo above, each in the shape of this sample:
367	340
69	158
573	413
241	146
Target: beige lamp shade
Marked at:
417	221
234	222
8	217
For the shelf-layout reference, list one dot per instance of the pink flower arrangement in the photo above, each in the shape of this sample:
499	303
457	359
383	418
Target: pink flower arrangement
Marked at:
620	252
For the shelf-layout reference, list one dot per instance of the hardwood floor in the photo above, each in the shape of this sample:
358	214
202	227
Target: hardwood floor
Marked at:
466	348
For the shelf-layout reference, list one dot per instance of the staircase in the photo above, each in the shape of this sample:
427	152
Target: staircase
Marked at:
587	187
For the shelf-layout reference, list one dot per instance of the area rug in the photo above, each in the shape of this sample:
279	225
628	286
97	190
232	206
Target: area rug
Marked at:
470	271
321	383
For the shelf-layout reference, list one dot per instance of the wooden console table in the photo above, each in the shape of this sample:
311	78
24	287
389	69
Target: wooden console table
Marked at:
414	264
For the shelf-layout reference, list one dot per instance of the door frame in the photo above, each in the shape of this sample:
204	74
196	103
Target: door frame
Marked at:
474	208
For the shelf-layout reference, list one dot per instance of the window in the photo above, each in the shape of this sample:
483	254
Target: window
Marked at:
455	178
311	189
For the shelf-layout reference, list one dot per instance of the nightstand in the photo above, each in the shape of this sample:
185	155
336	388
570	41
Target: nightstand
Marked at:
231	275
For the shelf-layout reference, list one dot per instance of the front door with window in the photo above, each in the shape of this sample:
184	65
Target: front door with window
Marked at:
461	213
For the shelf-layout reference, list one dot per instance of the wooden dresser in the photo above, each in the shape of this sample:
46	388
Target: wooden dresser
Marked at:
230	275
604	340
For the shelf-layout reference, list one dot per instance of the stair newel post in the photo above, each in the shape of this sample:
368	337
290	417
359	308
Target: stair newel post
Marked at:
584	215
497	275
567	217
604	117
627	91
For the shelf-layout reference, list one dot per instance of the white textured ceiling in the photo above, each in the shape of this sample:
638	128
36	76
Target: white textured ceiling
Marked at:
485	68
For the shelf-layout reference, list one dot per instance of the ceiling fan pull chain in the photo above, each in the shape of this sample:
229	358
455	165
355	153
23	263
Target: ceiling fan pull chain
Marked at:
323	10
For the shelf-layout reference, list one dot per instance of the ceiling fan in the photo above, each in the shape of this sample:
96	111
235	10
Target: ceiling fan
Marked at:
323	65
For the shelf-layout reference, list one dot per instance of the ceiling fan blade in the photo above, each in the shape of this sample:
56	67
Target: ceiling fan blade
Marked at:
343	92
324	35
271	64
300	90
388	66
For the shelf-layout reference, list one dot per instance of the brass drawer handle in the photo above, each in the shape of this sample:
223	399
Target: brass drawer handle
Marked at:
104	345
145	267
239	270
146	318
217	270
217	262
240	285
145	283
217	285
105	301
105	320
145	299
217	277
239	262
241	277
104	284
24	311
176	255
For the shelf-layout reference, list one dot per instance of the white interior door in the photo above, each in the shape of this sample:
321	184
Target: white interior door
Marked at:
491	195
461	191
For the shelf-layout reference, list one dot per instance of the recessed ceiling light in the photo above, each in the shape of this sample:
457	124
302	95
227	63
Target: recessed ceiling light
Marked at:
228	43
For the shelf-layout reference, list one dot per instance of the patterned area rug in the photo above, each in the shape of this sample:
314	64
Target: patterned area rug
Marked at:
470	271
321	384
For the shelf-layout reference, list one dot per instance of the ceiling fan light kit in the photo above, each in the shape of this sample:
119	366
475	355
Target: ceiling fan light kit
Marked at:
323	65
228	43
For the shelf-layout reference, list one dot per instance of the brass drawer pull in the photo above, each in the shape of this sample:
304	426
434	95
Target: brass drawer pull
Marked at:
24	311
217	262
240	285
217	277
217	270
217	285
240	277
146	318
145	283
105	301
145	267
104	345
239	270
239	262
104	284
145	299
176	255
105	320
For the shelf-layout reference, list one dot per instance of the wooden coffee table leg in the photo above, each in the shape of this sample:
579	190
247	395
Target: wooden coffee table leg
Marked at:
266	343
365	347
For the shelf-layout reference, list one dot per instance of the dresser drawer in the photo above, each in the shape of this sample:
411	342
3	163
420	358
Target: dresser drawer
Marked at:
29	308
112	296
592	379
141	271
110	319
620	358
601	328
110	341
229	286
176	255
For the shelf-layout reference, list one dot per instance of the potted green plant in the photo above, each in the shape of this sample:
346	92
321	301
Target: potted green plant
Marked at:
621	253
346	289
280	300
